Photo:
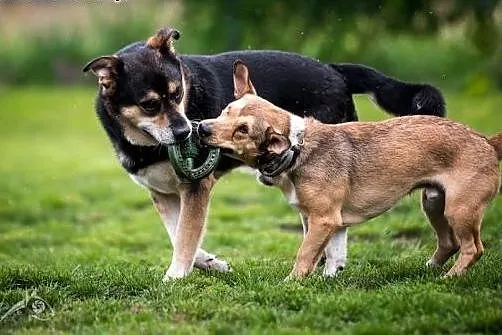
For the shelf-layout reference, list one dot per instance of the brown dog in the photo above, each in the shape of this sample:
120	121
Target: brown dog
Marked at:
348	173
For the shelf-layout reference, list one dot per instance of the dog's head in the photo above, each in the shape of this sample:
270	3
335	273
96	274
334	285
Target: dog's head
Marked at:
144	88
249	127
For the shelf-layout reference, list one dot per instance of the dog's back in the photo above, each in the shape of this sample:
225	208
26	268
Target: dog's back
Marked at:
299	84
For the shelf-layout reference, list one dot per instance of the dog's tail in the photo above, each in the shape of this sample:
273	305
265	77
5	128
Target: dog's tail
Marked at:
394	96
496	143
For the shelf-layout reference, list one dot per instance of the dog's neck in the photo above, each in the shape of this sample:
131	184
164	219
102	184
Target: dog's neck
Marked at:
273	165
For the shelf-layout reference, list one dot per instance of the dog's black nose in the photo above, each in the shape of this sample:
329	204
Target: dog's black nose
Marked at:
204	130
181	133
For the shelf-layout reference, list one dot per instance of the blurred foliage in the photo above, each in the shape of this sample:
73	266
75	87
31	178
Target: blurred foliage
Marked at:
234	20
451	43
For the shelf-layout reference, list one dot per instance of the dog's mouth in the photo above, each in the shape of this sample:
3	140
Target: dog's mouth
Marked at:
207	142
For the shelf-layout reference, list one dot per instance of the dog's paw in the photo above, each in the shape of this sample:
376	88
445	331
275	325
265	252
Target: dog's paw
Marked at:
290	278
453	274
432	263
170	277
214	264
207	261
296	276
175	272
332	271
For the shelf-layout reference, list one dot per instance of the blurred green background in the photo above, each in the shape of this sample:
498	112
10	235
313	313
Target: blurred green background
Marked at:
454	44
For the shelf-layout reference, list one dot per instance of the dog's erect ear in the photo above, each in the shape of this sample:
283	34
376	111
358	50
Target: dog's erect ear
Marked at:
242	82
106	69
163	40
276	143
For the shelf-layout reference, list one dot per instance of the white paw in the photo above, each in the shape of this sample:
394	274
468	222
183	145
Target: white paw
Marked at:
175	272
216	265
293	278
169	277
332	270
213	264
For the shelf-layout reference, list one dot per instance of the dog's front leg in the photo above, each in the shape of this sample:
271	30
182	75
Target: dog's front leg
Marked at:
168	207
194	203
336	253
321	228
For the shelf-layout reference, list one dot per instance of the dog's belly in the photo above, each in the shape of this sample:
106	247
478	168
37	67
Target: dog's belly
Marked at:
159	177
368	204
350	217
360	211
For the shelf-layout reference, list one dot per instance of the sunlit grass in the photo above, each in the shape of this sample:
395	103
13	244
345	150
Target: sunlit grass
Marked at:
75	228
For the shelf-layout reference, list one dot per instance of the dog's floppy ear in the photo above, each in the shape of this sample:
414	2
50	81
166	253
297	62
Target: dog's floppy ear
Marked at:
242	83
276	143
106	68
163	40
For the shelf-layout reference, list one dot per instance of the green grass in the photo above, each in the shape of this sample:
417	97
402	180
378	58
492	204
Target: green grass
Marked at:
75	228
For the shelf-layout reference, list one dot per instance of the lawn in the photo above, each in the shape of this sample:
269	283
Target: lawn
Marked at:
75	228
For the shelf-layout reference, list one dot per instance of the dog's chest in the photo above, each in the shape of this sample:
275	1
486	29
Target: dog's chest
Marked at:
159	177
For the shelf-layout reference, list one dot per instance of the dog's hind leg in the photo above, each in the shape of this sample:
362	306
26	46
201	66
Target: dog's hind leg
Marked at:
465	213
466	226
433	204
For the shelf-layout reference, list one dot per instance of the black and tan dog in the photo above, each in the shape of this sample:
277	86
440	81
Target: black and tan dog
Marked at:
349	173
148	93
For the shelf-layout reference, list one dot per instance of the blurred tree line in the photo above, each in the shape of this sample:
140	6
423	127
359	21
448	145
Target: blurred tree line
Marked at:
452	43
263	22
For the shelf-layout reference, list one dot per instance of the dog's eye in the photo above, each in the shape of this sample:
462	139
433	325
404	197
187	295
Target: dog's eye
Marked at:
243	129
150	106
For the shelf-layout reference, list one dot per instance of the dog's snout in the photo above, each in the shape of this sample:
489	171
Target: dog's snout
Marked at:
181	133
204	130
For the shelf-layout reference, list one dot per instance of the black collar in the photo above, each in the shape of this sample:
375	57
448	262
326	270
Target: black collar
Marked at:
272	165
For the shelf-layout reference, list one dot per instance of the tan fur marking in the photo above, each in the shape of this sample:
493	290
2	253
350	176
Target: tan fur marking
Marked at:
172	86
131	117
163	40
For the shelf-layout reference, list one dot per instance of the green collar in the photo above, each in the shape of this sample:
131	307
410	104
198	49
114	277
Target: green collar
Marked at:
190	160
